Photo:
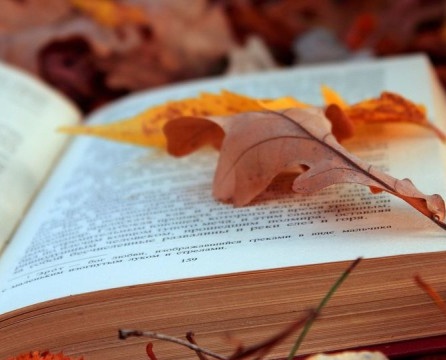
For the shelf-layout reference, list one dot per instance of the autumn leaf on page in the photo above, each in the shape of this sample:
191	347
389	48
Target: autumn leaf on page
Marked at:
146	127
256	147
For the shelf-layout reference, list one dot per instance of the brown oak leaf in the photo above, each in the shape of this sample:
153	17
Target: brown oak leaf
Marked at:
255	147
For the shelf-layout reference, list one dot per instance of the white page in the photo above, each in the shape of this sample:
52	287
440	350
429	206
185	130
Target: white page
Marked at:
29	144
116	215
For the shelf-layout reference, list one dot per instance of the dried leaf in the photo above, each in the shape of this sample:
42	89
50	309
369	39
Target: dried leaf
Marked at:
258	146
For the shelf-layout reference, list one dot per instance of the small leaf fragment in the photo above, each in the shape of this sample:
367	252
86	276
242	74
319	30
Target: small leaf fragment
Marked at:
342	126
331	97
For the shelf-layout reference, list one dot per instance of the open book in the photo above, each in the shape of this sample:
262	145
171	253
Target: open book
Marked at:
119	236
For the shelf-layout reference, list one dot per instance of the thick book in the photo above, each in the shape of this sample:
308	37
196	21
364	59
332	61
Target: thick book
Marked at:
100	236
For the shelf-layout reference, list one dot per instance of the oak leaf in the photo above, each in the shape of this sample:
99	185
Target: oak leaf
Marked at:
255	147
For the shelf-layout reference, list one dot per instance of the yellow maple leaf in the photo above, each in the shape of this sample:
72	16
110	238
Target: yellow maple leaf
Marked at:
111	14
146	127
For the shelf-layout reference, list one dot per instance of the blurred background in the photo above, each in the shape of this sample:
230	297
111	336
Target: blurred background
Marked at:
98	50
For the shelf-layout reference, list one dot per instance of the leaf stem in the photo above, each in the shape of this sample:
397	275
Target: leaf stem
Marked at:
321	305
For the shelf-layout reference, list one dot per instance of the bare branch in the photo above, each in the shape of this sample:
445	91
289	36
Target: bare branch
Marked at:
124	334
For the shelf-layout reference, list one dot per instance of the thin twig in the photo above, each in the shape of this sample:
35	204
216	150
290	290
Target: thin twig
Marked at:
124	334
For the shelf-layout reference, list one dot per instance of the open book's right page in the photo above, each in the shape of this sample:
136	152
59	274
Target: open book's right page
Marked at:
115	215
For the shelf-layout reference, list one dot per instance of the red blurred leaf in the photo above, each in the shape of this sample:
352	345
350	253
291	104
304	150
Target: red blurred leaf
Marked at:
42	355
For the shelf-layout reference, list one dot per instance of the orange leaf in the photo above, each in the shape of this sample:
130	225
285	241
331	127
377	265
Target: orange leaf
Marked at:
257	146
146	128
391	107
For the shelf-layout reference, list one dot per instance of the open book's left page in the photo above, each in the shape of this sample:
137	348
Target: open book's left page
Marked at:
29	144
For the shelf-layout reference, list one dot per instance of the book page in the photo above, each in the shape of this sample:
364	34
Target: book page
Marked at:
114	215
30	114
